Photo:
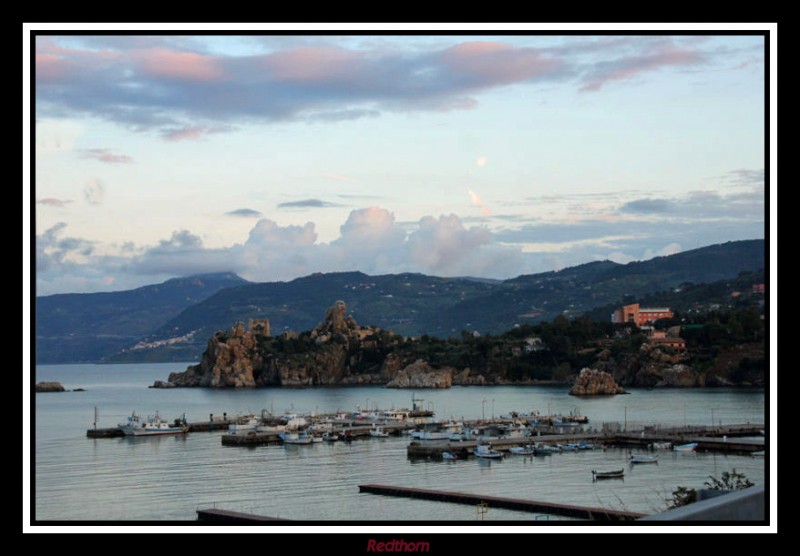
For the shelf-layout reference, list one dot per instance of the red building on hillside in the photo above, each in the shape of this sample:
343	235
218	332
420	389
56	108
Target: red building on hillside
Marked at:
640	316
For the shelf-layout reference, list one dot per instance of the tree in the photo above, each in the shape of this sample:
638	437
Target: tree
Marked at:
730	480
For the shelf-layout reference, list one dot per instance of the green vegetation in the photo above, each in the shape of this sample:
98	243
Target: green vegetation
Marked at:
730	480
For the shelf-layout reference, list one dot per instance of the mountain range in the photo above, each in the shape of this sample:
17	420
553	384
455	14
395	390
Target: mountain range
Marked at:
173	321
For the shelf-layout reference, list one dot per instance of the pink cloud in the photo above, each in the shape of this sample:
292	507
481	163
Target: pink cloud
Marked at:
311	63
493	63
105	155
54	62
187	66
191	133
50	67
628	67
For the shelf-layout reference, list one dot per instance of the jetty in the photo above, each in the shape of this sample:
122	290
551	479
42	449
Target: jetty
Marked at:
565	510
718	439
227	516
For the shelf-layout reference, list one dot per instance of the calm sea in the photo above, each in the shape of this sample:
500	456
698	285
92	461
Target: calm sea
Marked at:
169	478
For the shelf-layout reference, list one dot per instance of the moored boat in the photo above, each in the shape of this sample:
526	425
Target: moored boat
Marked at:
153	425
639	458
545	450
617	474
302	437
691	447
521	450
449	456
378	432
485	451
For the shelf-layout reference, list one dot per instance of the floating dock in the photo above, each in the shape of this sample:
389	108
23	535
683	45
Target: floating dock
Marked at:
565	510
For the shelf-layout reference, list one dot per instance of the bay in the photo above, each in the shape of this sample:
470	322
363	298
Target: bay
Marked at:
169	478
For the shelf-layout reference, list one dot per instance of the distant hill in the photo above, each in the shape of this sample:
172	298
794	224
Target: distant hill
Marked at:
91	326
415	304
576	290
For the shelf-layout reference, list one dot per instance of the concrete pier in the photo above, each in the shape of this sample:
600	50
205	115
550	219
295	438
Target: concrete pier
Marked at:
566	510
227	516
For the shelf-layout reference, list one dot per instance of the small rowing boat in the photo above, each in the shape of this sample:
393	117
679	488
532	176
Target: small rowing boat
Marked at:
618	474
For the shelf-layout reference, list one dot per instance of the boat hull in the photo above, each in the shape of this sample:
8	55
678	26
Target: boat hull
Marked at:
152	432
601	475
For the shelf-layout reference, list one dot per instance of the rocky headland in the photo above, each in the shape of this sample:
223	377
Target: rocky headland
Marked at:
339	351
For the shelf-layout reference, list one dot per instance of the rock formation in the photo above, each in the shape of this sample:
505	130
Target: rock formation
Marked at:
50	387
421	375
591	382
328	354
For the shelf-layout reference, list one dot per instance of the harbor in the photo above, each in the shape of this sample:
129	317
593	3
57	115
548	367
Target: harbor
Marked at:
459	439
112	478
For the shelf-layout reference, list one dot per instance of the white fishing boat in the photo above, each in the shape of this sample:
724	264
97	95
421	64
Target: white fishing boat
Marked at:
661	445
639	458
521	450
153	425
691	447
485	451
290	437
378	432
244	427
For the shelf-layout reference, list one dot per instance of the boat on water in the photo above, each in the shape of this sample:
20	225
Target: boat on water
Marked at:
449	456
378	432
545	449
153	425
661	445
243	426
521	450
598	475
485	451
568	447
758	454
290	437
639	458
585	445
691	447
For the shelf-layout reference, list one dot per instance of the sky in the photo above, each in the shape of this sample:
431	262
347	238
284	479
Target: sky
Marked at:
490	155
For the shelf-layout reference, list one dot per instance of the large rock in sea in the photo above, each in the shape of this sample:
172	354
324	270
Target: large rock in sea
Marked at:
421	375
591	382
50	387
